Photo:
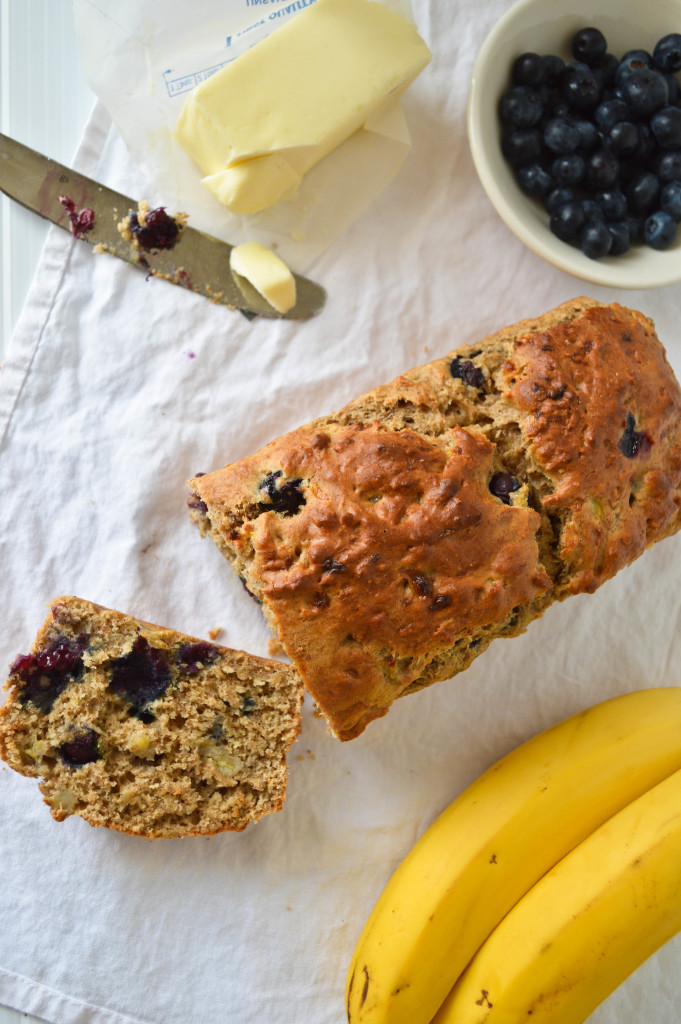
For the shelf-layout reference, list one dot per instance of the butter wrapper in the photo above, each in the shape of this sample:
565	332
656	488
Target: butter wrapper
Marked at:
142	58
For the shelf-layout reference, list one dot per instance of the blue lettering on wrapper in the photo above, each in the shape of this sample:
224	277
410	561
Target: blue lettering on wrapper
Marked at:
175	86
297	6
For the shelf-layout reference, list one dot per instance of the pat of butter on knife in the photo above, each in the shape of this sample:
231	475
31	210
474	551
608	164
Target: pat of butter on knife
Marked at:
257	126
266	272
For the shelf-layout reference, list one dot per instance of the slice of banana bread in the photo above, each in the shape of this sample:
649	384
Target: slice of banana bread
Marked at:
146	730
391	542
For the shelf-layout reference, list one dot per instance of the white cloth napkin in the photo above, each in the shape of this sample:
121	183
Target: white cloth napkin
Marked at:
115	390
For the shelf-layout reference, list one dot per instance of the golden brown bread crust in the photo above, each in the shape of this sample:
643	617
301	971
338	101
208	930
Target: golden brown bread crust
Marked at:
145	730
381	556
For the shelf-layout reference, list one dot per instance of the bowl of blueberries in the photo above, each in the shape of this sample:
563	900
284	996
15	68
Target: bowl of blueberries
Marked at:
574	123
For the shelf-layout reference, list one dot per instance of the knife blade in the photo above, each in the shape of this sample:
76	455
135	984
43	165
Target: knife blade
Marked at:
196	261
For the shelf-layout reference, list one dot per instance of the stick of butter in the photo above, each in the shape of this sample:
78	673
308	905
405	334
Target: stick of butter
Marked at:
266	272
255	127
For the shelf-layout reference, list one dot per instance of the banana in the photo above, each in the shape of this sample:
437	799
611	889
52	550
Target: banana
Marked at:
491	845
585	926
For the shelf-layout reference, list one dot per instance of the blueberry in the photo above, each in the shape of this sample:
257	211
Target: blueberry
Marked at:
528	69
159	231
630	167
554	66
613	203
589	139
588	45
193	501
581	87
522	146
595	239
568	170
621	239
592	210
560	109
597	140
646	91
568	221
329	565
670	200
561	136
617	92
420	582
622	138
659	230
642	192
535	180
635	227
609	112
46	674
669	166
606	68
468	372
666	127
141	676
645	147
633	60
217	731
521	107
250	593
602	168
81	221
550	98
281	495
63	654
191	656
557	197
667	53
632	440
502	486
247	705
82	749
637	58
673	88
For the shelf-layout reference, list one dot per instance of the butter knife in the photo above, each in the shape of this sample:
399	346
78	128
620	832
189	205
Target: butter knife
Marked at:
97	214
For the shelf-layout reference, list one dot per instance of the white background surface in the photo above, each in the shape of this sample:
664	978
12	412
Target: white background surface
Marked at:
44	102
426	269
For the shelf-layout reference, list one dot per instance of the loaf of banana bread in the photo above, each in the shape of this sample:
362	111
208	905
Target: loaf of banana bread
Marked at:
391	542
146	730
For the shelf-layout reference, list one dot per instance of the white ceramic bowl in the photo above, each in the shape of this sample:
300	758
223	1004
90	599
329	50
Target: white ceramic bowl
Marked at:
547	26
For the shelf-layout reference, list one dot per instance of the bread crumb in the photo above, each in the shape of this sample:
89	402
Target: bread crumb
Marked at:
274	648
215	633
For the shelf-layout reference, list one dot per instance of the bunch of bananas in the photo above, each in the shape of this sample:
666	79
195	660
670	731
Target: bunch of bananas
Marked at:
541	887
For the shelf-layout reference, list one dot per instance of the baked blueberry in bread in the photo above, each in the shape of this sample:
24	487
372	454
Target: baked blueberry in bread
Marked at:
391	542
146	730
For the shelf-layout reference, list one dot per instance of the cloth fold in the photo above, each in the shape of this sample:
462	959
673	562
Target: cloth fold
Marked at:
117	389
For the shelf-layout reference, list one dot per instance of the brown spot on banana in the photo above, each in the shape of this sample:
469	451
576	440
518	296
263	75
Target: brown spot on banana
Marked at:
365	988
348	1013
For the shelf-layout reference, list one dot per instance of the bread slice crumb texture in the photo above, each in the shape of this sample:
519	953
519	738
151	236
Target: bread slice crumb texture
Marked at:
146	730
